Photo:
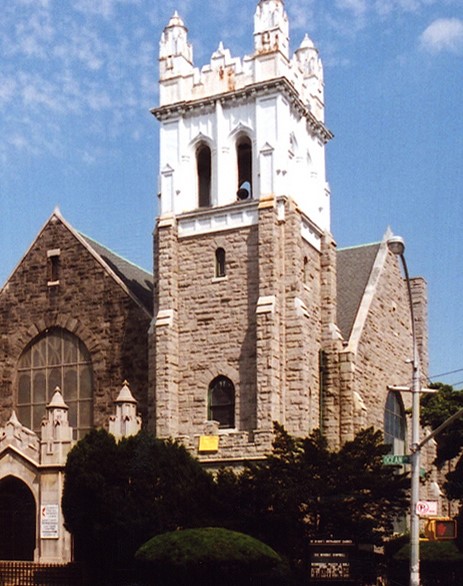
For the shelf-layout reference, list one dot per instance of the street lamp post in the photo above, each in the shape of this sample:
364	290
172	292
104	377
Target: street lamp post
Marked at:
397	246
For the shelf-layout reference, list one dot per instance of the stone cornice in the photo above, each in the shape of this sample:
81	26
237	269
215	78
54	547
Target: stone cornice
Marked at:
254	90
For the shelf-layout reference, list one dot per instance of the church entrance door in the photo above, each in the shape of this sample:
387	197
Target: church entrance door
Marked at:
17	520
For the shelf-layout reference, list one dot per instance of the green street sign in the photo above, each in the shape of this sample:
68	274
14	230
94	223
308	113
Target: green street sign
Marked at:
394	460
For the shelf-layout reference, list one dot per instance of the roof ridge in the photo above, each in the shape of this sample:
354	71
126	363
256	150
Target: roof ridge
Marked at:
355	246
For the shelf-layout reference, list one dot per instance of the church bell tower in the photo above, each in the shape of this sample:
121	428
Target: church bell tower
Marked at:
241	242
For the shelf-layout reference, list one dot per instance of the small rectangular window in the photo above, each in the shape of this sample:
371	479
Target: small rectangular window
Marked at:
53	266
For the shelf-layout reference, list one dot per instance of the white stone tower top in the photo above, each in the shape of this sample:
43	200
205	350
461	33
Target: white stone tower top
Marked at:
242	128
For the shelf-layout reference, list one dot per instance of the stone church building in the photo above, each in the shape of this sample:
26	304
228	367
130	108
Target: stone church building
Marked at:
252	314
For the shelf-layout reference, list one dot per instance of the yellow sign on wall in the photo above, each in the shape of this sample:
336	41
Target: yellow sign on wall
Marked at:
208	443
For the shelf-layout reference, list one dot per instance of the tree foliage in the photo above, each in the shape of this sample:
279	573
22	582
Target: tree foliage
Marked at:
305	491
437	408
117	495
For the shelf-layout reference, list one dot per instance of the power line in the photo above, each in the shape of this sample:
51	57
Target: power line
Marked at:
445	373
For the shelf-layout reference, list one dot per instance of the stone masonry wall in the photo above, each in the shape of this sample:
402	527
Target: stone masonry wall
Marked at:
87	302
385	345
331	415
217	323
302	328
258	325
164	333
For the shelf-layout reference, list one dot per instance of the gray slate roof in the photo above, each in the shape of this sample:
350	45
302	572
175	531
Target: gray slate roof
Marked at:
354	266
136	279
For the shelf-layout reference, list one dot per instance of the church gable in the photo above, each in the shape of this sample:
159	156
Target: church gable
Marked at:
64	304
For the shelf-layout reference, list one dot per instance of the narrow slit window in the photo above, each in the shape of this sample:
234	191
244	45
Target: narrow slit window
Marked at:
305	270
204	169
244	157
220	268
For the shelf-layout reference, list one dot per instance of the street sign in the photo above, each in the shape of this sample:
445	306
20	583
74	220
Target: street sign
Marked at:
395	460
426	508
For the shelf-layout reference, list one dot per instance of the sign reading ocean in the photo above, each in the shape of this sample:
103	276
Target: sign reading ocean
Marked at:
395	460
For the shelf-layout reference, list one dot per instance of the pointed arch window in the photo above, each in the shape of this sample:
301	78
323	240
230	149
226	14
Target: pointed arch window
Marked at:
244	158
204	170
221	402
220	267
395	426
55	358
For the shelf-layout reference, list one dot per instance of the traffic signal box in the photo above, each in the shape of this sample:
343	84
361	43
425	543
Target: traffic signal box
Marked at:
440	529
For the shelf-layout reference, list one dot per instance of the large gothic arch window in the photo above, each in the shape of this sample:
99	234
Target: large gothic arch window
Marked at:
17	520
395	426
221	402
56	358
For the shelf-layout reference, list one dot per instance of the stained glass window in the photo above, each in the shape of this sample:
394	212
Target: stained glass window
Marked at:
57	358
394	423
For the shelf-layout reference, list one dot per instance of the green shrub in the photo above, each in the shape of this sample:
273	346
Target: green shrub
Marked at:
210	554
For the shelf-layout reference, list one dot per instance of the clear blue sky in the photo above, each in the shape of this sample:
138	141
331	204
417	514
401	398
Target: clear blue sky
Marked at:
78	77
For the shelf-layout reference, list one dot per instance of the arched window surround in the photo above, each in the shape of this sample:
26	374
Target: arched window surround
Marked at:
198	143
56	357
221	402
220	263
242	134
244	165
204	174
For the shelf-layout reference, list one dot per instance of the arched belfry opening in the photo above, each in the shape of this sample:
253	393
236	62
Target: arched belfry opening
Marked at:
244	159
204	170
17	520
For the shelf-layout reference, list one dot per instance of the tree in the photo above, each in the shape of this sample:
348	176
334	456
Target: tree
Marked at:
305	491
437	408
117	495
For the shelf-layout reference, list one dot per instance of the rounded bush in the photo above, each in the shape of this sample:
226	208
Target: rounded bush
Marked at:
192	556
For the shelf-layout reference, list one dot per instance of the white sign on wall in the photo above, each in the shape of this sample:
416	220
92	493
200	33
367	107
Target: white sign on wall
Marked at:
426	508
49	521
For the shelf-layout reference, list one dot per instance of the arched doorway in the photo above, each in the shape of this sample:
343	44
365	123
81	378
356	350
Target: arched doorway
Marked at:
17	520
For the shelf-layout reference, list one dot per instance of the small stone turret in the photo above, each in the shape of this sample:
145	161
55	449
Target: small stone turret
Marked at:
306	60
271	28
56	437
175	52
126	422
